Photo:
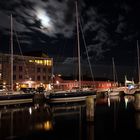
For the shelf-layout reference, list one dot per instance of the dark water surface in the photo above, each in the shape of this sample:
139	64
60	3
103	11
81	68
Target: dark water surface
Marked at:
114	118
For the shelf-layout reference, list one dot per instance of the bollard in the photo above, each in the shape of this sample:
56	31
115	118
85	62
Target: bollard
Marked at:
90	108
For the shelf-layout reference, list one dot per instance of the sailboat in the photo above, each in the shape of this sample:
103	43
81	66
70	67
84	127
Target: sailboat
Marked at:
114	91
14	97
78	94
138	85
131	87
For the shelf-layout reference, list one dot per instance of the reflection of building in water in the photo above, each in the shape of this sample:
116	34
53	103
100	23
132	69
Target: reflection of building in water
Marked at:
19	121
90	131
42	120
67	109
12	122
70	115
47	126
137	102
137	118
73	115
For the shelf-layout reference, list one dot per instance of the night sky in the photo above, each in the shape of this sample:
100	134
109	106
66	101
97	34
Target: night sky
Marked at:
111	28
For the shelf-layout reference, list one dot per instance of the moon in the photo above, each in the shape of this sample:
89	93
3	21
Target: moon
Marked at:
44	18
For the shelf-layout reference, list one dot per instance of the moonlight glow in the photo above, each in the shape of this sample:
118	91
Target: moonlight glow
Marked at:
44	18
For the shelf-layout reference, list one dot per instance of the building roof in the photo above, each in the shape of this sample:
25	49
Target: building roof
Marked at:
36	54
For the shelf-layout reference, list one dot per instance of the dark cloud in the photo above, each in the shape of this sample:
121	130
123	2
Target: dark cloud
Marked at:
29	18
46	24
109	24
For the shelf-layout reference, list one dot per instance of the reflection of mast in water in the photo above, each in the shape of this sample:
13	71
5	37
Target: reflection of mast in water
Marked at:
0	119
80	124
114	101
137	102
90	131
11	129
69	110
115	114
137	119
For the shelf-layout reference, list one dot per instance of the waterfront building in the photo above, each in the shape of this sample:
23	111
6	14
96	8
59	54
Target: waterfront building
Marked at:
28	71
60	83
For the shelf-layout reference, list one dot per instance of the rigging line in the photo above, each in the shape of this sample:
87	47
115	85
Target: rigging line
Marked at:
78	45
86	50
116	74
138	62
116	77
26	70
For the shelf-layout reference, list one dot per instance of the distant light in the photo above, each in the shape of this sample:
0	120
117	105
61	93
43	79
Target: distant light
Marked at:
126	102
108	101
4	83
130	86
30	110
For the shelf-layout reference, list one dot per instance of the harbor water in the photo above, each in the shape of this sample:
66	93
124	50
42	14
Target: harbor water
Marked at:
101	118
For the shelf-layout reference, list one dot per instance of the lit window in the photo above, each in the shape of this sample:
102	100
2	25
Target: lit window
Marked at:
49	62
45	62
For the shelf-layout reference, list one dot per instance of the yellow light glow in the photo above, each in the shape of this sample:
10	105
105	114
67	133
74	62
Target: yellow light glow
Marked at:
4	83
23	86
48	125
44	126
42	62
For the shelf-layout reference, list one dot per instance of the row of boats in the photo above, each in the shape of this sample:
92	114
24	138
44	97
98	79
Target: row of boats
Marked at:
8	98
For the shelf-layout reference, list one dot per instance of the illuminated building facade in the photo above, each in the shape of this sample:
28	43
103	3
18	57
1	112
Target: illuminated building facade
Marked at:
59	83
28	71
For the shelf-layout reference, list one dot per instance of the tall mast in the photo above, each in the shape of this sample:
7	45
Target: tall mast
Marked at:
78	43
52	74
11	53
113	70
138	62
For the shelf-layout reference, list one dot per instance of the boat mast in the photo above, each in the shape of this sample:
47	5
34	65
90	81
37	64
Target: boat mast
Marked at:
113	70
11	53
78	43
138	62
52	74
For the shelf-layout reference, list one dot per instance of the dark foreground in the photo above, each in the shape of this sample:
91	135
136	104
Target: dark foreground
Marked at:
114	118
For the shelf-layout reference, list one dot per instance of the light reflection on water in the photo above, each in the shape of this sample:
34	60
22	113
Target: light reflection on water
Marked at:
114	118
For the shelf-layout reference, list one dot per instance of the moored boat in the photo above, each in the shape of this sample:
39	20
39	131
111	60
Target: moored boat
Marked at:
79	93
9	96
16	98
69	96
